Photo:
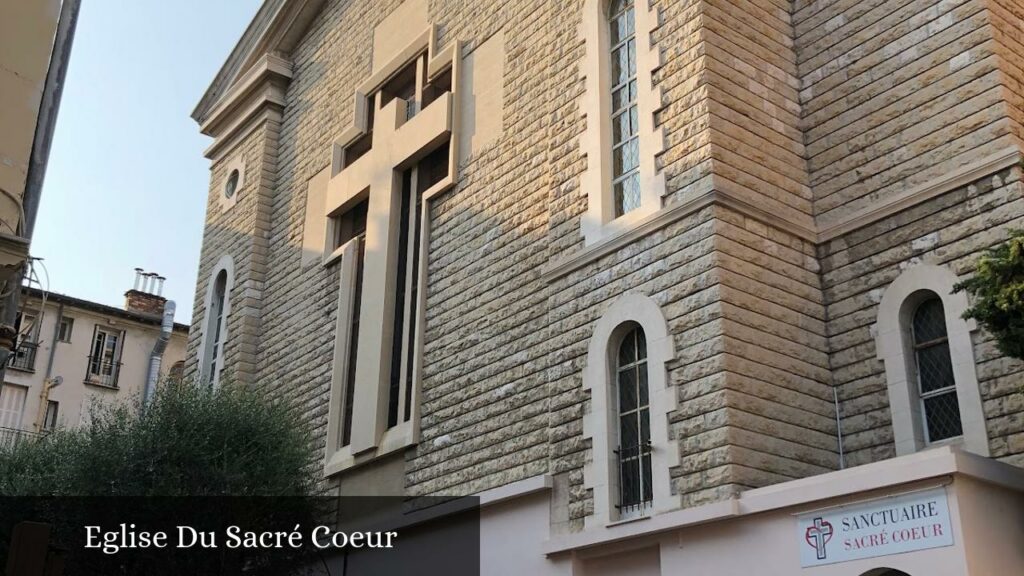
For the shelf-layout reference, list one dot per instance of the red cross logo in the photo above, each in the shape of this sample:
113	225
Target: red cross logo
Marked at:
818	535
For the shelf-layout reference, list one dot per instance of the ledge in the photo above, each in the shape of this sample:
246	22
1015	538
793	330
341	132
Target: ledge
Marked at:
514	490
902	473
935	187
262	85
662	218
815	234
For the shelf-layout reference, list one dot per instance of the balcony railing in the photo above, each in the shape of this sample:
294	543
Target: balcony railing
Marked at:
24	357
635	492
11	437
100	372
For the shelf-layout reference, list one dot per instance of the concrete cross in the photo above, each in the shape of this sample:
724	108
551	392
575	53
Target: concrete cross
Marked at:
818	535
398	142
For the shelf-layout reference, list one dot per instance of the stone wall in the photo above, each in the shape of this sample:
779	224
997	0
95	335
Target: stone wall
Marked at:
802	110
950	230
895	93
240	232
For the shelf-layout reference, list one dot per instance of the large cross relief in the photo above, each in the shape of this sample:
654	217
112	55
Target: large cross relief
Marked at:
400	152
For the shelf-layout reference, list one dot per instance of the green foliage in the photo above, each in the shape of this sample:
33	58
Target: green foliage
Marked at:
997	290
191	441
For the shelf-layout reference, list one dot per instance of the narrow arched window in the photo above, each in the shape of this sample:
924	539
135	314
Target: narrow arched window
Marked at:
625	115
936	383
215	319
634	420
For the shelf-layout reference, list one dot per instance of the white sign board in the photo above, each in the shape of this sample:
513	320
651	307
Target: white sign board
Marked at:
906	523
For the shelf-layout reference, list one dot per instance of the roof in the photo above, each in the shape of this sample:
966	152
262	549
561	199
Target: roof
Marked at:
149	319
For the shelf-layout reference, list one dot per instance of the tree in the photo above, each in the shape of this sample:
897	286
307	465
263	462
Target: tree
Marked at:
997	290
189	441
206	459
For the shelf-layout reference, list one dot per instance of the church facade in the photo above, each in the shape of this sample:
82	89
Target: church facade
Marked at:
659	281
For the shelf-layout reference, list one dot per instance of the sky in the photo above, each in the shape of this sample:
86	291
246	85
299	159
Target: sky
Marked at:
127	182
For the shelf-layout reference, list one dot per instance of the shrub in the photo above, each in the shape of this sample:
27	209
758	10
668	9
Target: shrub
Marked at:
190	441
997	291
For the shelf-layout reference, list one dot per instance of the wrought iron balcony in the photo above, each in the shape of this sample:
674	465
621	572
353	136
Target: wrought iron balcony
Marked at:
24	357
11	437
100	372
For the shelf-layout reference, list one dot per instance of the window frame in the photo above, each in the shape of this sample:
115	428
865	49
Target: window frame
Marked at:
50	421
639	365
922	396
99	378
894	346
209	340
64	335
600	223
600	424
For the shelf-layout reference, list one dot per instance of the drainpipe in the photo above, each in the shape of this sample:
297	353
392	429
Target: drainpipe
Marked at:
53	342
156	357
839	428
48	383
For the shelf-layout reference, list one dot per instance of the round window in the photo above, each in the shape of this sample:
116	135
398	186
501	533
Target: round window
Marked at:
232	184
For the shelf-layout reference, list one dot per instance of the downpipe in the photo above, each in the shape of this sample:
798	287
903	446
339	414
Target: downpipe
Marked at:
156	357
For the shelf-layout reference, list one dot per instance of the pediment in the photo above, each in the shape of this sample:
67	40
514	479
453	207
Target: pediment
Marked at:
274	31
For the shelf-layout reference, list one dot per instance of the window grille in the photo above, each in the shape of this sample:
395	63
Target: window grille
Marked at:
936	384
634	421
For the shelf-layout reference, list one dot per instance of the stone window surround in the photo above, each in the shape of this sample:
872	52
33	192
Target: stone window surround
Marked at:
224	264
339	458
894	347
600	423
236	163
599	222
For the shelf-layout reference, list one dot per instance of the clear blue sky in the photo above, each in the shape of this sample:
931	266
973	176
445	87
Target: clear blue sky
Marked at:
127	182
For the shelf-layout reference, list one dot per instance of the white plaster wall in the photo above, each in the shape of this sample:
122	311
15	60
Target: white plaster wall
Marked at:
70	363
993	528
511	536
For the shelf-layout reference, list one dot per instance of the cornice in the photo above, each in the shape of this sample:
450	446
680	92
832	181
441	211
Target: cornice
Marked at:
717	196
263	86
936	187
276	29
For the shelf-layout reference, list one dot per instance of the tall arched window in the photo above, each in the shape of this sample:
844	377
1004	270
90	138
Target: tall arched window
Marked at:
634	422
215	320
625	115
936	384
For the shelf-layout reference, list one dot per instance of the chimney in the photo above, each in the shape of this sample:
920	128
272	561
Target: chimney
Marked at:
145	296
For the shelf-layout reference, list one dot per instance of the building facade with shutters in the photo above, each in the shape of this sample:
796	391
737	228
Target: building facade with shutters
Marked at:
73	355
659	281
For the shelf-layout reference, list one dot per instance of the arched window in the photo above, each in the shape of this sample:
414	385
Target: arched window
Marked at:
936	384
634	424
631	398
216	323
177	371
926	346
625	115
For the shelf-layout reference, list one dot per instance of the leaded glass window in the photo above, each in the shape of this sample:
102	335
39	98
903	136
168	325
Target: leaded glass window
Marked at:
634	421
936	385
625	116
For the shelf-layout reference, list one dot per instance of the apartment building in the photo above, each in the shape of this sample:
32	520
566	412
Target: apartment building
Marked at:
73	353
